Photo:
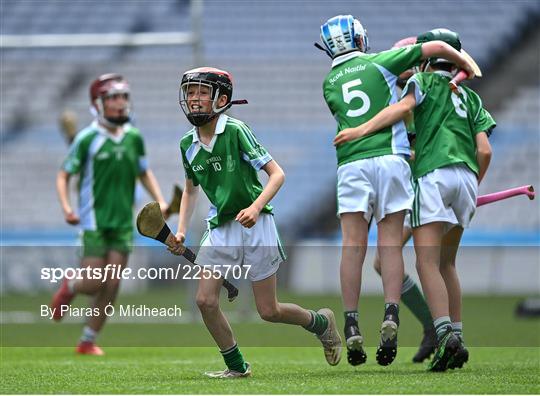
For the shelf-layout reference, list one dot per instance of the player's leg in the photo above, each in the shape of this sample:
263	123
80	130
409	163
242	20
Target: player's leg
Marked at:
394	197
389	247
321	323
449	249
220	247
427	244
412	297
450	246
220	330
105	296
354	229
93	251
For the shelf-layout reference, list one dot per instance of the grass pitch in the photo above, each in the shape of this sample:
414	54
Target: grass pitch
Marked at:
275	370
170	358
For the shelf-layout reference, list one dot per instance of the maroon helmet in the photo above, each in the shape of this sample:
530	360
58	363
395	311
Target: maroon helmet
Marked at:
107	85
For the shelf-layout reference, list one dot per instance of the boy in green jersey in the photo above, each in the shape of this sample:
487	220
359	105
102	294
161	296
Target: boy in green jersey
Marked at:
109	156
411	294
222	155
452	157
373	174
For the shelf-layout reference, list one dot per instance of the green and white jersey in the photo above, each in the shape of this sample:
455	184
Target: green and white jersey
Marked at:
446	123
109	166
226	169
357	88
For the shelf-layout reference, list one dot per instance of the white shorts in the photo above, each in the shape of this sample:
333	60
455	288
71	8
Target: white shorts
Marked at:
447	194
256	250
407	222
376	186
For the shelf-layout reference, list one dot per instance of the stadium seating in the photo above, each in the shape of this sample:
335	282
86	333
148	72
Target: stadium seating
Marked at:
268	48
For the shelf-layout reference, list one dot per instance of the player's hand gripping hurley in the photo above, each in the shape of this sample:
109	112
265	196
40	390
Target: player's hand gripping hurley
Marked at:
151	224
462	74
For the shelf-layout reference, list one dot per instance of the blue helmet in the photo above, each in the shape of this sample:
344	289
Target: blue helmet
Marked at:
342	34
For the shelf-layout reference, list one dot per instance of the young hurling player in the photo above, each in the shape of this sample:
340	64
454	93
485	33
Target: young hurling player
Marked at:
373	174
411	295
452	157
222	155
109	156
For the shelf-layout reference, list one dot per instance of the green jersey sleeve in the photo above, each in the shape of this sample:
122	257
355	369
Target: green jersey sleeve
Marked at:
482	120
77	153
398	60
251	149
141	152
415	84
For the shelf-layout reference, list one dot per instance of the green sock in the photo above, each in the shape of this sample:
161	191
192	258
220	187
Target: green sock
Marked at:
234	359
318	324
413	299
457	328
442	326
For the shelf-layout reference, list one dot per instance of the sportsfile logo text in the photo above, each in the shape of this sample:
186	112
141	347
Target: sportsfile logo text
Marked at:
115	271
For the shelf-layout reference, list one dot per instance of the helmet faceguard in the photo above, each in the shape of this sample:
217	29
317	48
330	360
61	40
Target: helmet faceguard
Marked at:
104	87
343	34
449	37
219	82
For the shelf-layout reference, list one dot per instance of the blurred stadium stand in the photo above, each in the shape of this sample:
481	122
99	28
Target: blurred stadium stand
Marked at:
268	48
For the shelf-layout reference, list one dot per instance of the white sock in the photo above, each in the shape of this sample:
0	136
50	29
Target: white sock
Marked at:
88	334
457	328
71	285
441	326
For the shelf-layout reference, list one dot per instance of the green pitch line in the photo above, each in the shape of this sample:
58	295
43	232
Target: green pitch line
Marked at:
275	370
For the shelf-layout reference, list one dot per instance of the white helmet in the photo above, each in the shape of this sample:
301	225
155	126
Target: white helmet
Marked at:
342	34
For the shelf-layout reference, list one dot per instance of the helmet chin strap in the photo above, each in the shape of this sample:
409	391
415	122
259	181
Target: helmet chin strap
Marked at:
318	46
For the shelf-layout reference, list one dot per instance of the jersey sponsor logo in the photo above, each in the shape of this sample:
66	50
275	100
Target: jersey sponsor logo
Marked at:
215	158
355	69
347	70
117	153
332	80
103	155
197	168
215	161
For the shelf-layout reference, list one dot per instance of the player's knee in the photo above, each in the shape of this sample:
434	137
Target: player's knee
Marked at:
448	263
207	303
270	313
92	286
352	240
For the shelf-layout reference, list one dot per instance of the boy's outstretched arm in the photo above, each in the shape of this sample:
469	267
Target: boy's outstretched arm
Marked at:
386	117
249	216
439	49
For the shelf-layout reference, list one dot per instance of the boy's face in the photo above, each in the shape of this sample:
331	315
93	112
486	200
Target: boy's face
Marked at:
116	105
199	98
